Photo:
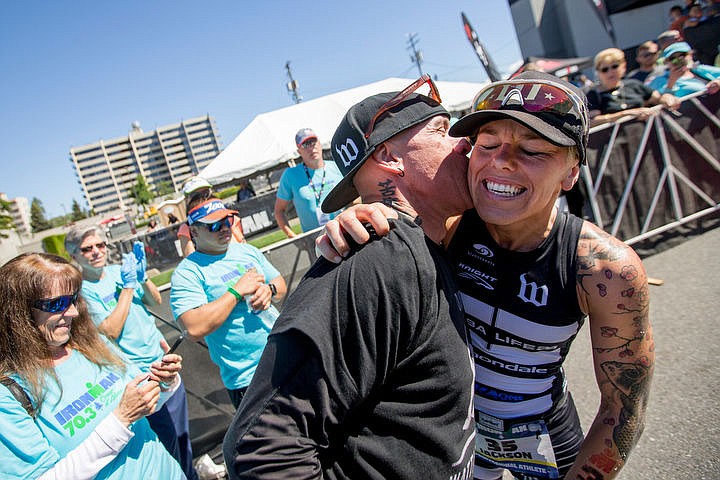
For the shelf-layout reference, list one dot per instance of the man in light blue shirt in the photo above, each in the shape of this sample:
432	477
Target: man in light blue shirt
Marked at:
306	185
222	292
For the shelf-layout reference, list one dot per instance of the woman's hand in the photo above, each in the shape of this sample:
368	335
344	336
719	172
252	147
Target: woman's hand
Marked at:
165	371
713	87
137	400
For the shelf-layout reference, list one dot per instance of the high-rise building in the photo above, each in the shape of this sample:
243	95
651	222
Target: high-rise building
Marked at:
108	169
19	210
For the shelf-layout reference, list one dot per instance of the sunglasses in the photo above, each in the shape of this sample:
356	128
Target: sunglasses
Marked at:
89	248
400	97
648	54
56	304
614	66
677	59
539	96
217	226
309	144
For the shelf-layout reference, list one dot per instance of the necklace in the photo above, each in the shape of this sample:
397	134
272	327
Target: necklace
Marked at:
317	194
619	91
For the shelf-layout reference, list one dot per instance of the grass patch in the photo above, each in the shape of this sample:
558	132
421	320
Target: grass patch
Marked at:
162	278
272	237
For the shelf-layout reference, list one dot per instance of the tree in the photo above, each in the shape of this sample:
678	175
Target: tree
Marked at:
6	221
38	222
164	188
140	192
77	212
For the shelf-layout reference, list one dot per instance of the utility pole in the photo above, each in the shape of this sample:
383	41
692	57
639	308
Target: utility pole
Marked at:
416	55
292	85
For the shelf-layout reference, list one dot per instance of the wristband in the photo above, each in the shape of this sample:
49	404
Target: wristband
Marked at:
235	293
273	288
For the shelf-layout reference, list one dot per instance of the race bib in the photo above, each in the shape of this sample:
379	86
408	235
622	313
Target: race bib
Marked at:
520	447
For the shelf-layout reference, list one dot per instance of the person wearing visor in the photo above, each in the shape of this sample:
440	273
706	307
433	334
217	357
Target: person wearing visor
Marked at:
683	76
72	406
117	298
222	292
367	372
306	185
196	189
529	275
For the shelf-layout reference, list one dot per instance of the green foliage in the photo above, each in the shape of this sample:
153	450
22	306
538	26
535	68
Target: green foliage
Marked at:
164	188
77	212
6	221
227	192
38	222
140	192
55	244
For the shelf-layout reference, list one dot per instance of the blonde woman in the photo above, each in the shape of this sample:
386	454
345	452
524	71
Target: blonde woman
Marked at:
616	97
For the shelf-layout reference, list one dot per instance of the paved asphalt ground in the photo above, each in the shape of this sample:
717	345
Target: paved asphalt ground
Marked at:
681	439
683	418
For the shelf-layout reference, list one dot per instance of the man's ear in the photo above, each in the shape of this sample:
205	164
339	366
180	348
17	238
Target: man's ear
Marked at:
388	161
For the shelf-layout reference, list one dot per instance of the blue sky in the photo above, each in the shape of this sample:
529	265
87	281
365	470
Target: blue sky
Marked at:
74	72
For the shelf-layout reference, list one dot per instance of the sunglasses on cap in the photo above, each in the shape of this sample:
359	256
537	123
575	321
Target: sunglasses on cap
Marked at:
614	66
400	97
56	304
309	143
533	96
217	226
89	248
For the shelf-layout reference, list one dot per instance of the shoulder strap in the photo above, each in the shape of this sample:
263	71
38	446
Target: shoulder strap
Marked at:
19	394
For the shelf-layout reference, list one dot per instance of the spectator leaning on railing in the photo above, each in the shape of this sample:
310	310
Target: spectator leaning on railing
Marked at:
616	97
683	76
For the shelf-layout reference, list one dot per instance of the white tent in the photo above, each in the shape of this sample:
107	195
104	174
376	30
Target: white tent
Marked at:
270	138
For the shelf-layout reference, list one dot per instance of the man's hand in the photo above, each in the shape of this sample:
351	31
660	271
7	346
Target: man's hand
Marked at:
332	244
249	282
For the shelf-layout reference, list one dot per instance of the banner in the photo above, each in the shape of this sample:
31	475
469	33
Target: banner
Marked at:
602	13
488	64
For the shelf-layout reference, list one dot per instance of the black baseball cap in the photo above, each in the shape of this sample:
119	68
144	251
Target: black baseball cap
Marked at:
551	107
350	148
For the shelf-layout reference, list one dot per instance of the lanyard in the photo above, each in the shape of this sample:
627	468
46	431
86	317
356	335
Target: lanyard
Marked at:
322	185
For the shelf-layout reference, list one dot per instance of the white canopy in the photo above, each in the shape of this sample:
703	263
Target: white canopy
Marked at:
270	138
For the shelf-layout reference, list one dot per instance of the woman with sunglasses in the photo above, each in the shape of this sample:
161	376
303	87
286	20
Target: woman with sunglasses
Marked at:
683	76
222	292
88	402
615	97
116	297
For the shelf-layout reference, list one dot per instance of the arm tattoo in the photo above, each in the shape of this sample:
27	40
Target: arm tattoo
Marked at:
602	258
631	381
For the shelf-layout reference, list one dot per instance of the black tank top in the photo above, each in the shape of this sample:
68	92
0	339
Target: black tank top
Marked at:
522	314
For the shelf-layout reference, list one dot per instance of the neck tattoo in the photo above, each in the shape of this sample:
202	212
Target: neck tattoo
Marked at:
388	192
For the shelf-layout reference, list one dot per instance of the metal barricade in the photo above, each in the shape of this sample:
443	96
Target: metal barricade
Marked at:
647	177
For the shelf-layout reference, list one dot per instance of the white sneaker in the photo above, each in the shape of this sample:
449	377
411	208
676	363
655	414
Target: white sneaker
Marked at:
209	470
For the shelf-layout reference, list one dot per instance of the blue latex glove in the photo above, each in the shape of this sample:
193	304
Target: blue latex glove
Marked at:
139	251
128	271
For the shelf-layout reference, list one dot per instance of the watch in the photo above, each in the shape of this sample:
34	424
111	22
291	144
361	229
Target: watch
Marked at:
273	288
